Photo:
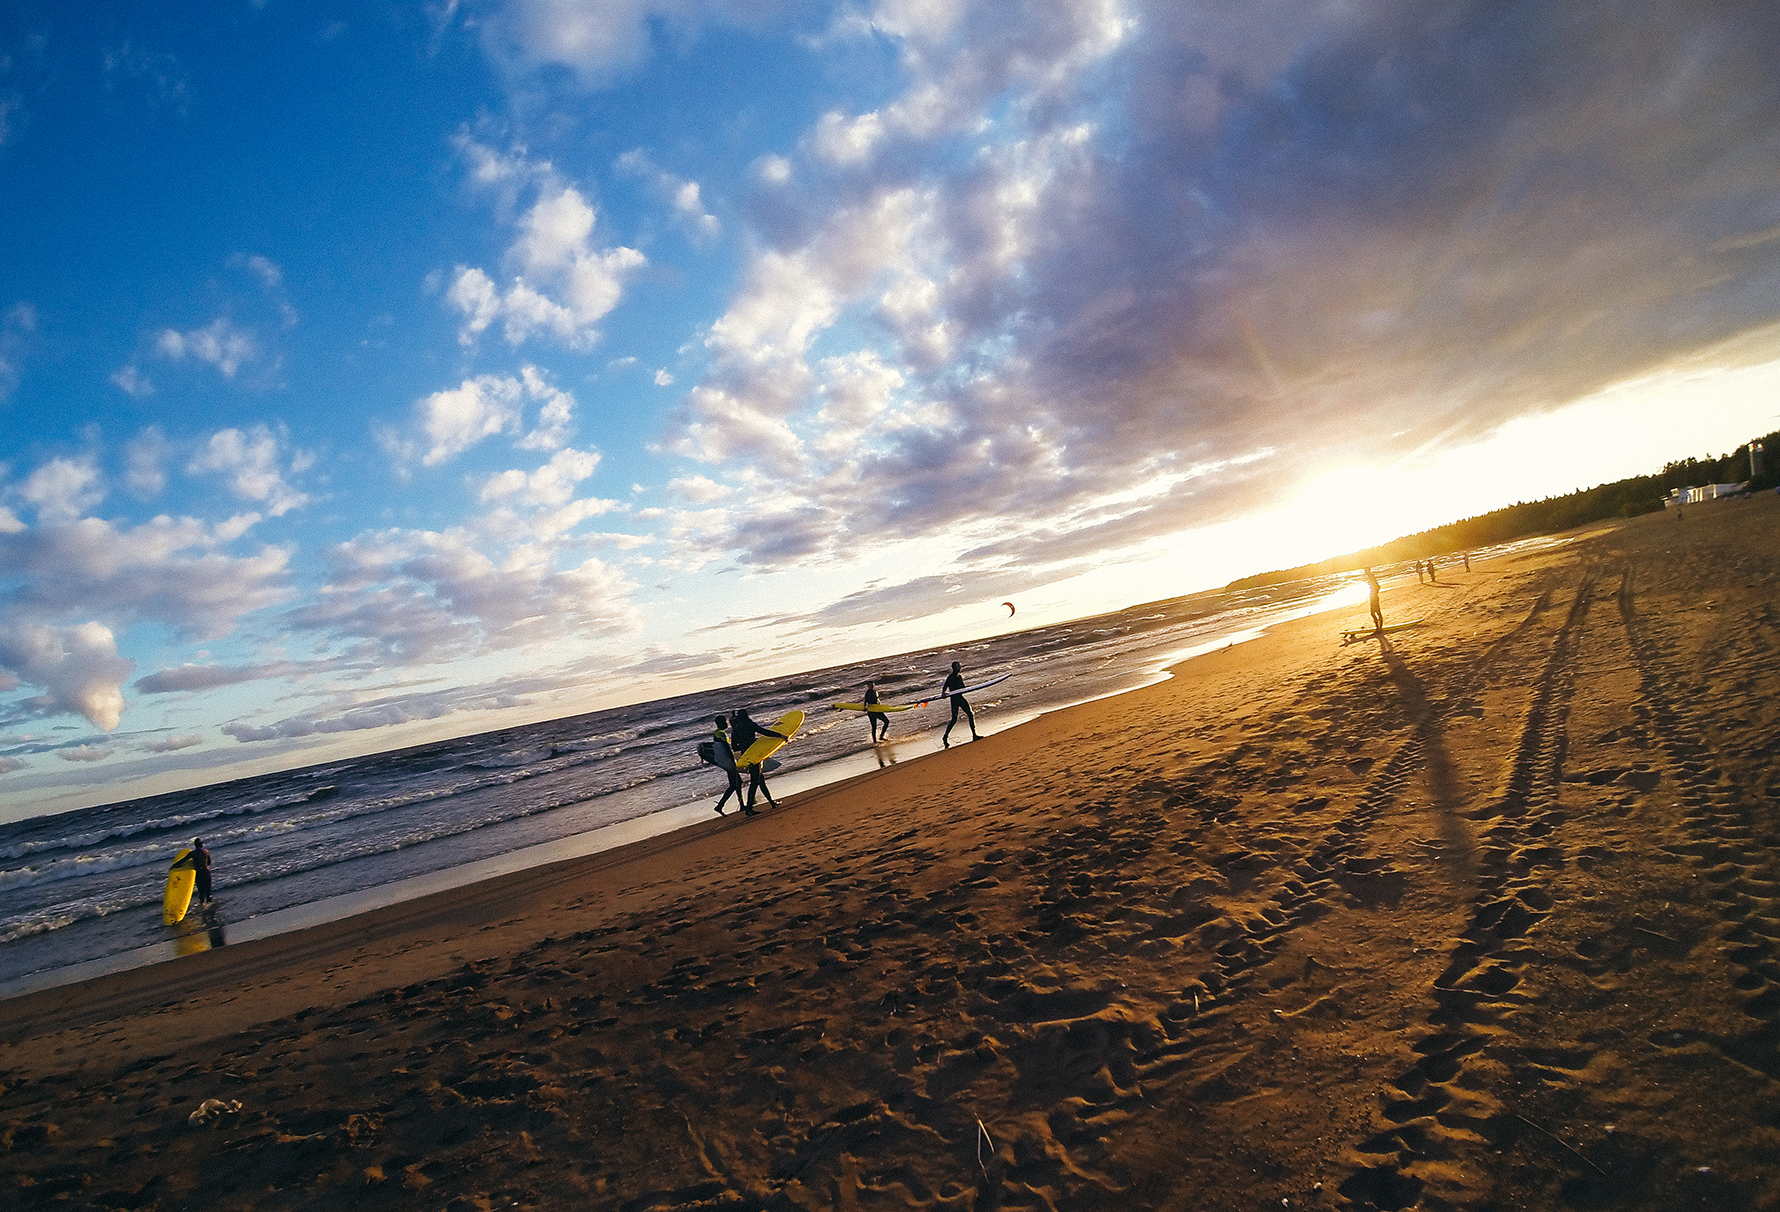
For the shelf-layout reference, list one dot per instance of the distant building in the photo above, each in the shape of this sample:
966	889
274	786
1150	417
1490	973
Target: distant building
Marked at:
1704	492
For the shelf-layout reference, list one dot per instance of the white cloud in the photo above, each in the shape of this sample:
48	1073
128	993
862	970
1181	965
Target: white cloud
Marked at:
17	325
220	344
684	197
596	43
268	271
842	140
556	411
663	378
64	488
166	570
697	490
449	422
549	485
254	466
77	667
130	380
773	170
561	286
85	753
145	462
412	595
173	744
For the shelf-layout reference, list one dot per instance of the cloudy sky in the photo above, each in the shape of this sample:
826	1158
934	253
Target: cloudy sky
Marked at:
380	371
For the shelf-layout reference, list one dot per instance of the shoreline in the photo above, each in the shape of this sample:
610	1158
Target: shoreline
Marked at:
1320	924
669	822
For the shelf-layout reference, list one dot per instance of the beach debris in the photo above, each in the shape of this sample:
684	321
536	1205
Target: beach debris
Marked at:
213	1110
983	1138
1560	1140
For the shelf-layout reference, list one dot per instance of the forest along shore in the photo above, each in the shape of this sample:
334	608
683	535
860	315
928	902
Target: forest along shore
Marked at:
1486	913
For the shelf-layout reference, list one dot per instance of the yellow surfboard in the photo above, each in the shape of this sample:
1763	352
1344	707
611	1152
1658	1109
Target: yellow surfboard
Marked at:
764	747
182	878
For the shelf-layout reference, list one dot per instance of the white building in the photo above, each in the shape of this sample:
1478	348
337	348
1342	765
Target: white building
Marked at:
1703	492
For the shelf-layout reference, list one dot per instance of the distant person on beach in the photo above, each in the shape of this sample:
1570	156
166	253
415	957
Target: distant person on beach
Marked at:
1419	578
201	869
1432	579
877	719
745	732
720	741
1373	602
955	682
1467	556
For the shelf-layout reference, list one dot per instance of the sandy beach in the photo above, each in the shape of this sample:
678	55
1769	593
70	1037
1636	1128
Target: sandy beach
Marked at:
1483	915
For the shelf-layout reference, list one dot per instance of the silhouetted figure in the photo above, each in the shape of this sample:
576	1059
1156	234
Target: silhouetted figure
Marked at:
1419	578
1432	579
954	682
720	743
201	869
1467	558
744	732
1372	600
877	719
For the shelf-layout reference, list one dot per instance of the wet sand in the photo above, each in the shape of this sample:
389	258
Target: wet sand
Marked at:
1487	914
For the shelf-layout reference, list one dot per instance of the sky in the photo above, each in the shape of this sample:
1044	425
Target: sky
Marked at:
378	372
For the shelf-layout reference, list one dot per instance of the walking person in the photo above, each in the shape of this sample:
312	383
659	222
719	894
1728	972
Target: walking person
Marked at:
955	683
201	869
1372	600
1432	579
720	746
877	719
1467	556
1419	578
744	732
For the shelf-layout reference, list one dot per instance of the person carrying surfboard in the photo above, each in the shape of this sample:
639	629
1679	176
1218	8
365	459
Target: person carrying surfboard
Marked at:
955	682
721	746
744	732
876	719
201	869
1373	602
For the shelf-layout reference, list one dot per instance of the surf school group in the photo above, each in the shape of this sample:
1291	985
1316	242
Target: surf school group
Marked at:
741	747
740	744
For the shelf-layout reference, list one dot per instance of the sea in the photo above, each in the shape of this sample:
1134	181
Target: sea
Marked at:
80	891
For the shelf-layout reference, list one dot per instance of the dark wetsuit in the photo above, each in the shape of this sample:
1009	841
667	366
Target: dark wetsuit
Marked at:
1376	607
720	738
877	719
746	733
955	681
201	869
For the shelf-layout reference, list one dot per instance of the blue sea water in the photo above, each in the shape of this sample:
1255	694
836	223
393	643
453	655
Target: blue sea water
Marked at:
80	891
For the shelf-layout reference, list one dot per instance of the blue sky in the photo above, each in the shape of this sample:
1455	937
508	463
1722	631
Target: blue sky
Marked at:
377	372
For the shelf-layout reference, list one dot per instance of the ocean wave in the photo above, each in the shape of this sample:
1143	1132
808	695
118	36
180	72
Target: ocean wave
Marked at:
183	822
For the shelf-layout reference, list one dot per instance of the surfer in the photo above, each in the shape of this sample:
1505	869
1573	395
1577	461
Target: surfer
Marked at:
955	681
876	719
201	869
744	732
1372	601
720	744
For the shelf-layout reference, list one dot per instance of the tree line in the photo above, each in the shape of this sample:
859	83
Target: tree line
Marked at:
1621	499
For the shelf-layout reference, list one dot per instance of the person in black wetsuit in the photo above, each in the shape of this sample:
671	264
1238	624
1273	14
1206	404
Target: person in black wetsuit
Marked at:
1373	602
720	739
201	868
744	732
955	681
876	719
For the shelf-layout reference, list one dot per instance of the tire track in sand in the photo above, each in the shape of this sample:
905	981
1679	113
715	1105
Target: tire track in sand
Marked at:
1437	1109
1728	842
